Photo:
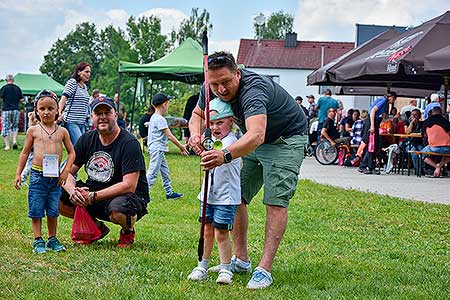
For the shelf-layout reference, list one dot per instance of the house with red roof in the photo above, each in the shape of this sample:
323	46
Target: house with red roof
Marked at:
288	62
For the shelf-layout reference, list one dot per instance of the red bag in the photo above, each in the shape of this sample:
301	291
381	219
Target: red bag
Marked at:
84	228
341	156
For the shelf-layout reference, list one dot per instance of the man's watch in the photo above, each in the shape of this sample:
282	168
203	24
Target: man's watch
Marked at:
227	157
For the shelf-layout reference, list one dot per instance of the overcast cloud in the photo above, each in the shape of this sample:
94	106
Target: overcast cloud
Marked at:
335	20
29	28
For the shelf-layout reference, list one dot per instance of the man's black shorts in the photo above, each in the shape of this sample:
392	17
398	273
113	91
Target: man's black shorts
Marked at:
129	204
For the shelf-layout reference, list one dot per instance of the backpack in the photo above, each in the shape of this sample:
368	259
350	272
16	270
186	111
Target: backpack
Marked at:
344	153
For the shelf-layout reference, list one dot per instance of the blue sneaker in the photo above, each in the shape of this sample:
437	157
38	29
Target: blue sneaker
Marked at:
55	245
39	246
173	196
261	279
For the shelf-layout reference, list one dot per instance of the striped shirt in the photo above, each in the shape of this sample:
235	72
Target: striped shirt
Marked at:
77	104
356	133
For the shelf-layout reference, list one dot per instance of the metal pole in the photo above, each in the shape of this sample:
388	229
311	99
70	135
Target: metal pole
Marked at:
322	57
446	88
119	83
134	103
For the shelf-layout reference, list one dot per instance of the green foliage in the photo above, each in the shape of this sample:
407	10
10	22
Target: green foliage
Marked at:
113	48
146	38
276	27
338	245
193	27
142	42
79	45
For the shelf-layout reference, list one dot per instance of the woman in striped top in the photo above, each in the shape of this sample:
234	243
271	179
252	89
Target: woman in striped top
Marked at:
74	103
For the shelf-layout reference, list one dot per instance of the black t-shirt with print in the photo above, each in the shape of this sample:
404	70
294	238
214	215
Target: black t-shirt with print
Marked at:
106	165
331	128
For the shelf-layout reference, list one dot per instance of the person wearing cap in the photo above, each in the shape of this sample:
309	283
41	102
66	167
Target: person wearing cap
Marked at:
11	95
311	111
116	189
224	196
158	137
45	140
271	148
299	100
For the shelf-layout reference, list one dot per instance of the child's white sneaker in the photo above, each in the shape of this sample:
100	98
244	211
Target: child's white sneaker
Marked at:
237	266
225	277
198	274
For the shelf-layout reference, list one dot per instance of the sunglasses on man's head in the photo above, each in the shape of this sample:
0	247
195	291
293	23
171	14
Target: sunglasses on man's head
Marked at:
219	60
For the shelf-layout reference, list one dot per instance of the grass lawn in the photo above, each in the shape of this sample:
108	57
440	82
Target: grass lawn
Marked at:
338	245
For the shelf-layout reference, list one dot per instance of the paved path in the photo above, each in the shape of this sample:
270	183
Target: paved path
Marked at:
434	190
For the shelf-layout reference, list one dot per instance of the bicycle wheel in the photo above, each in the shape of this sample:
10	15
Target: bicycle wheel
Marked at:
325	153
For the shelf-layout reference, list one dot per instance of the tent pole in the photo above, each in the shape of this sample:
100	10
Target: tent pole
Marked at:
119	82
389	106
144	82
446	88
151	91
134	103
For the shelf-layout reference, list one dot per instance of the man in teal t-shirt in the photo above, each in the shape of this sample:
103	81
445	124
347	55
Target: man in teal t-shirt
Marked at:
323	104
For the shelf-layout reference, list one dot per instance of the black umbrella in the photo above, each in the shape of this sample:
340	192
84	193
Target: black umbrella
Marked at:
439	62
324	75
401	58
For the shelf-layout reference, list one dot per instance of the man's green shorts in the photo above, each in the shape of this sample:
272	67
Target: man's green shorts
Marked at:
275	165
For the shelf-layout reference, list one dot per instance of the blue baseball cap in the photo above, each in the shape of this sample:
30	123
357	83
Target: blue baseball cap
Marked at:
222	108
103	100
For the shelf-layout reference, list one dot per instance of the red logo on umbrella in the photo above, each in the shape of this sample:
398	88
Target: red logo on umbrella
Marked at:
399	53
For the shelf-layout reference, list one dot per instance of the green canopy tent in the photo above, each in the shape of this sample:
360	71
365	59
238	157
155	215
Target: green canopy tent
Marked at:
31	84
184	63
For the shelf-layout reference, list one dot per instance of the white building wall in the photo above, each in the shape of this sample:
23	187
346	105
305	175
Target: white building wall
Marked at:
294	82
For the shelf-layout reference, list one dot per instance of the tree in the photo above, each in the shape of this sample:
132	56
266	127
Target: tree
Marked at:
79	45
113	48
146	39
276	27
193	27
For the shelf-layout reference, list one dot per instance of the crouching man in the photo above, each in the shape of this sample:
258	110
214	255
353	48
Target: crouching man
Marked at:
116	189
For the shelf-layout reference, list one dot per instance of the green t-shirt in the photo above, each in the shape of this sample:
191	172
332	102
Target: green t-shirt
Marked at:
258	95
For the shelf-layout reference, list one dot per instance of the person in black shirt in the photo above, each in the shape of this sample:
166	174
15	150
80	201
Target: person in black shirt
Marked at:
190	105
11	95
116	189
299	100
143	129
330	132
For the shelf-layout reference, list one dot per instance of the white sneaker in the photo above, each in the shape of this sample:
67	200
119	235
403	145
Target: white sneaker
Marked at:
237	266
198	274
225	277
261	279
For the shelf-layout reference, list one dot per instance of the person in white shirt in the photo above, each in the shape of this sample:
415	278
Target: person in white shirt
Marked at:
224	196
